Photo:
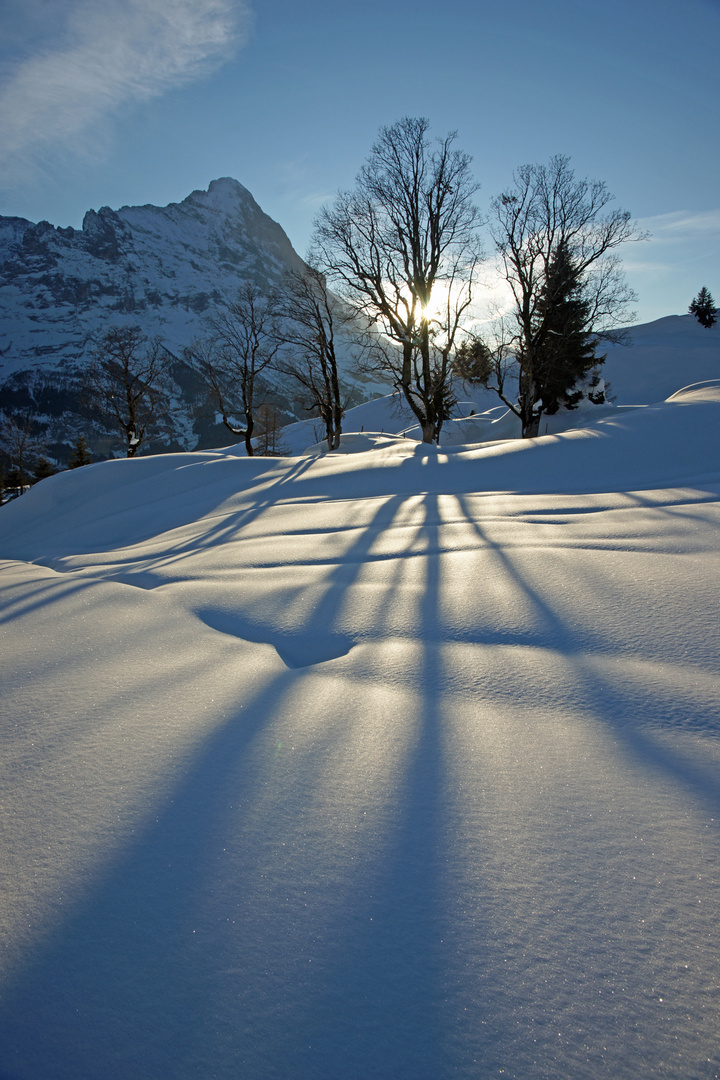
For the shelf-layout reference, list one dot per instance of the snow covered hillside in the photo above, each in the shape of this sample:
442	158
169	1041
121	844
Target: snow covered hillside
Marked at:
661	357
394	763
165	269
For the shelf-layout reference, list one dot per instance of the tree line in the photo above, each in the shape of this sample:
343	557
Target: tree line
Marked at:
396	263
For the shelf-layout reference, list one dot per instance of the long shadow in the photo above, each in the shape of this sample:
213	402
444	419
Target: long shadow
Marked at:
614	705
227	526
193	954
675	509
172	967
386	980
319	638
14	607
126	959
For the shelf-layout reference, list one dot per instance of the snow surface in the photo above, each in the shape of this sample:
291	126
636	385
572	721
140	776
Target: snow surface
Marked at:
661	356
391	763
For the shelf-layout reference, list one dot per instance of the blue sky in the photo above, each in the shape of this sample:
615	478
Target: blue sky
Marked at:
112	102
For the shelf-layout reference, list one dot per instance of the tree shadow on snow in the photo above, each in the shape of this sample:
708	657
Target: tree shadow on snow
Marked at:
285	912
314	955
630	711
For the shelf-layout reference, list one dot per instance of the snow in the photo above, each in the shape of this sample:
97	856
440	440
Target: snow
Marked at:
398	762
661	356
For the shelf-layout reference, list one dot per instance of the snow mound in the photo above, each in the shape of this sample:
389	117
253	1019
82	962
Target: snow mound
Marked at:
707	390
402	761
672	442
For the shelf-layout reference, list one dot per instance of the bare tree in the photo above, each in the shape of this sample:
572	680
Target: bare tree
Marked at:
268	442
241	343
127	381
546	212
308	347
402	249
20	449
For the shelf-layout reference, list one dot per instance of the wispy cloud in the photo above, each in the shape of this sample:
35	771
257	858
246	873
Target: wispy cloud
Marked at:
678	239
106	55
682	224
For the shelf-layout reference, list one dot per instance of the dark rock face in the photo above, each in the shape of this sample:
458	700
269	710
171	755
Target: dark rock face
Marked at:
159	267
103	234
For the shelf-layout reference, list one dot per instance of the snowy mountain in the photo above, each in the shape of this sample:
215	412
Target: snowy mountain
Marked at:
394	763
159	267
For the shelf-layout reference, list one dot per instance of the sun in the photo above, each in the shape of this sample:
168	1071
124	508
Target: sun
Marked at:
436	308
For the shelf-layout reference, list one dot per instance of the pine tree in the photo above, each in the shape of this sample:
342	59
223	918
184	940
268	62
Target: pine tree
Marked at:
545	208
703	308
564	348
80	455
473	362
43	469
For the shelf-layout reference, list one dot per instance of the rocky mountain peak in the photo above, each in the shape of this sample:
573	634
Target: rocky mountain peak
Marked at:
224	193
157	266
162	268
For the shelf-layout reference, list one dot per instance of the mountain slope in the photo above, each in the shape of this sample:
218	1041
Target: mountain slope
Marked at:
162	268
661	357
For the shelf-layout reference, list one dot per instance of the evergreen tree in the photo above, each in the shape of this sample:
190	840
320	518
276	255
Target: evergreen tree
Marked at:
703	308
473	362
80	455
548	208
564	348
43	469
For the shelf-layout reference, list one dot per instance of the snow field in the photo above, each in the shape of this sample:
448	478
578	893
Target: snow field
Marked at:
395	764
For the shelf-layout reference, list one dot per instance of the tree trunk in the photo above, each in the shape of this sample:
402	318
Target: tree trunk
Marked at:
248	436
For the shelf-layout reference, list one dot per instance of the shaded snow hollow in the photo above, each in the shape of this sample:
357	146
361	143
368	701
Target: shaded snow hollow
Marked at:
395	763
